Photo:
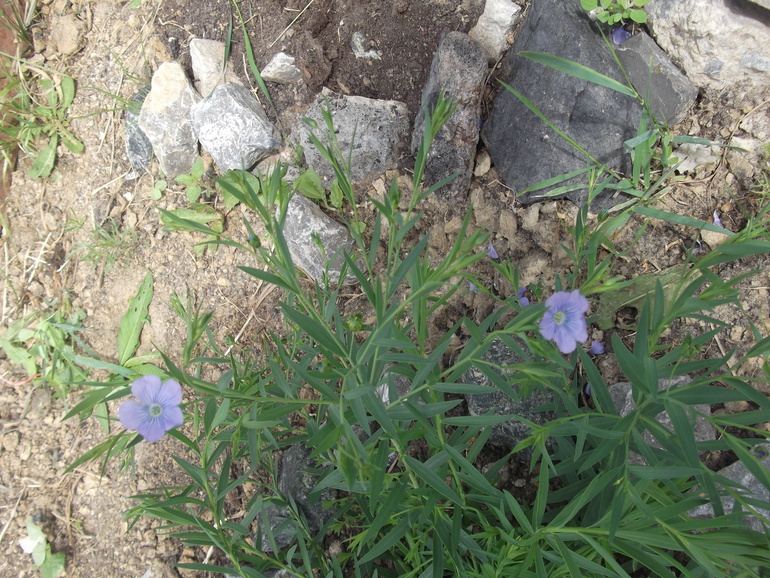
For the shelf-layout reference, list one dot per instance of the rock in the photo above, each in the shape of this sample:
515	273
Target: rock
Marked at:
671	93
524	149
165	119
458	70
622	396
281	69
693	156
511	432
483	164
67	34
376	130
296	483
312	61
304	220
712	238
718	43
494	26
753	488
207	57
233	128
138	146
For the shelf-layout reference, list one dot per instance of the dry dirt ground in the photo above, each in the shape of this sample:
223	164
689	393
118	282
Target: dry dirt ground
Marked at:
50	224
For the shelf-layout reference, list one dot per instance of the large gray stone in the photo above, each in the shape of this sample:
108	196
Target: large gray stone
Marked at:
508	433
524	149
495	26
458	71
376	129
138	146
207	58
622	396
165	119
233	128
304	220
297	483
740	474
650	70
718	43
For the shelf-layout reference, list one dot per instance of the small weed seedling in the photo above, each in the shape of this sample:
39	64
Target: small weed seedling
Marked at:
616	11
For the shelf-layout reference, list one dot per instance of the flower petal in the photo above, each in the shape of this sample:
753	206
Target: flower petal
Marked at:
169	395
152	429
145	389
132	415
172	417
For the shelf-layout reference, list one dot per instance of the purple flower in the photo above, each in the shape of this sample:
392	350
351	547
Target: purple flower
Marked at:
717	220
597	348
564	322
523	301
620	35
472	287
157	410
588	389
491	252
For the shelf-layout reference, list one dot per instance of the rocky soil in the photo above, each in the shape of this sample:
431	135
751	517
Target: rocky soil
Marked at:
49	256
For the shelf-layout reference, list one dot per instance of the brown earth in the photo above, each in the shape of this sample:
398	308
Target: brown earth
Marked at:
48	240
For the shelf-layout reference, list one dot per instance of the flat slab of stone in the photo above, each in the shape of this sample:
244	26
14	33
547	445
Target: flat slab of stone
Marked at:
458	71
233	128
376	129
508	433
304	220
718	43
671	94
165	119
523	148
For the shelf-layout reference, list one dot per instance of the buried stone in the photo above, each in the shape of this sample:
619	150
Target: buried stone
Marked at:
297	480
529	407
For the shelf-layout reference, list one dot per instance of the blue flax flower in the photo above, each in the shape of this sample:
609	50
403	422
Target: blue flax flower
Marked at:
157	410
597	348
564	322
491	253
523	301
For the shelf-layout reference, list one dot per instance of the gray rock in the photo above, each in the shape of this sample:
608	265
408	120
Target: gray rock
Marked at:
763	3
375	128
281	69
233	128
296	483
165	119
207	58
303	221
622	395
138	146
740	474
458	70
718	43
511	432
648	67
523	148
494	26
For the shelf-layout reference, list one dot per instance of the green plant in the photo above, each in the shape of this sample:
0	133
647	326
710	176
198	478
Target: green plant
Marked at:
37	100
412	497
108	244
42	343
36	544
192	181
614	11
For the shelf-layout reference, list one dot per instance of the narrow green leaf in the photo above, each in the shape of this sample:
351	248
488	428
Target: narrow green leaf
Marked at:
133	321
579	71
44	161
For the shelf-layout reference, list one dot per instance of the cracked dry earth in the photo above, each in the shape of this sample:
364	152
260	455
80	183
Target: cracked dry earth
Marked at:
46	257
